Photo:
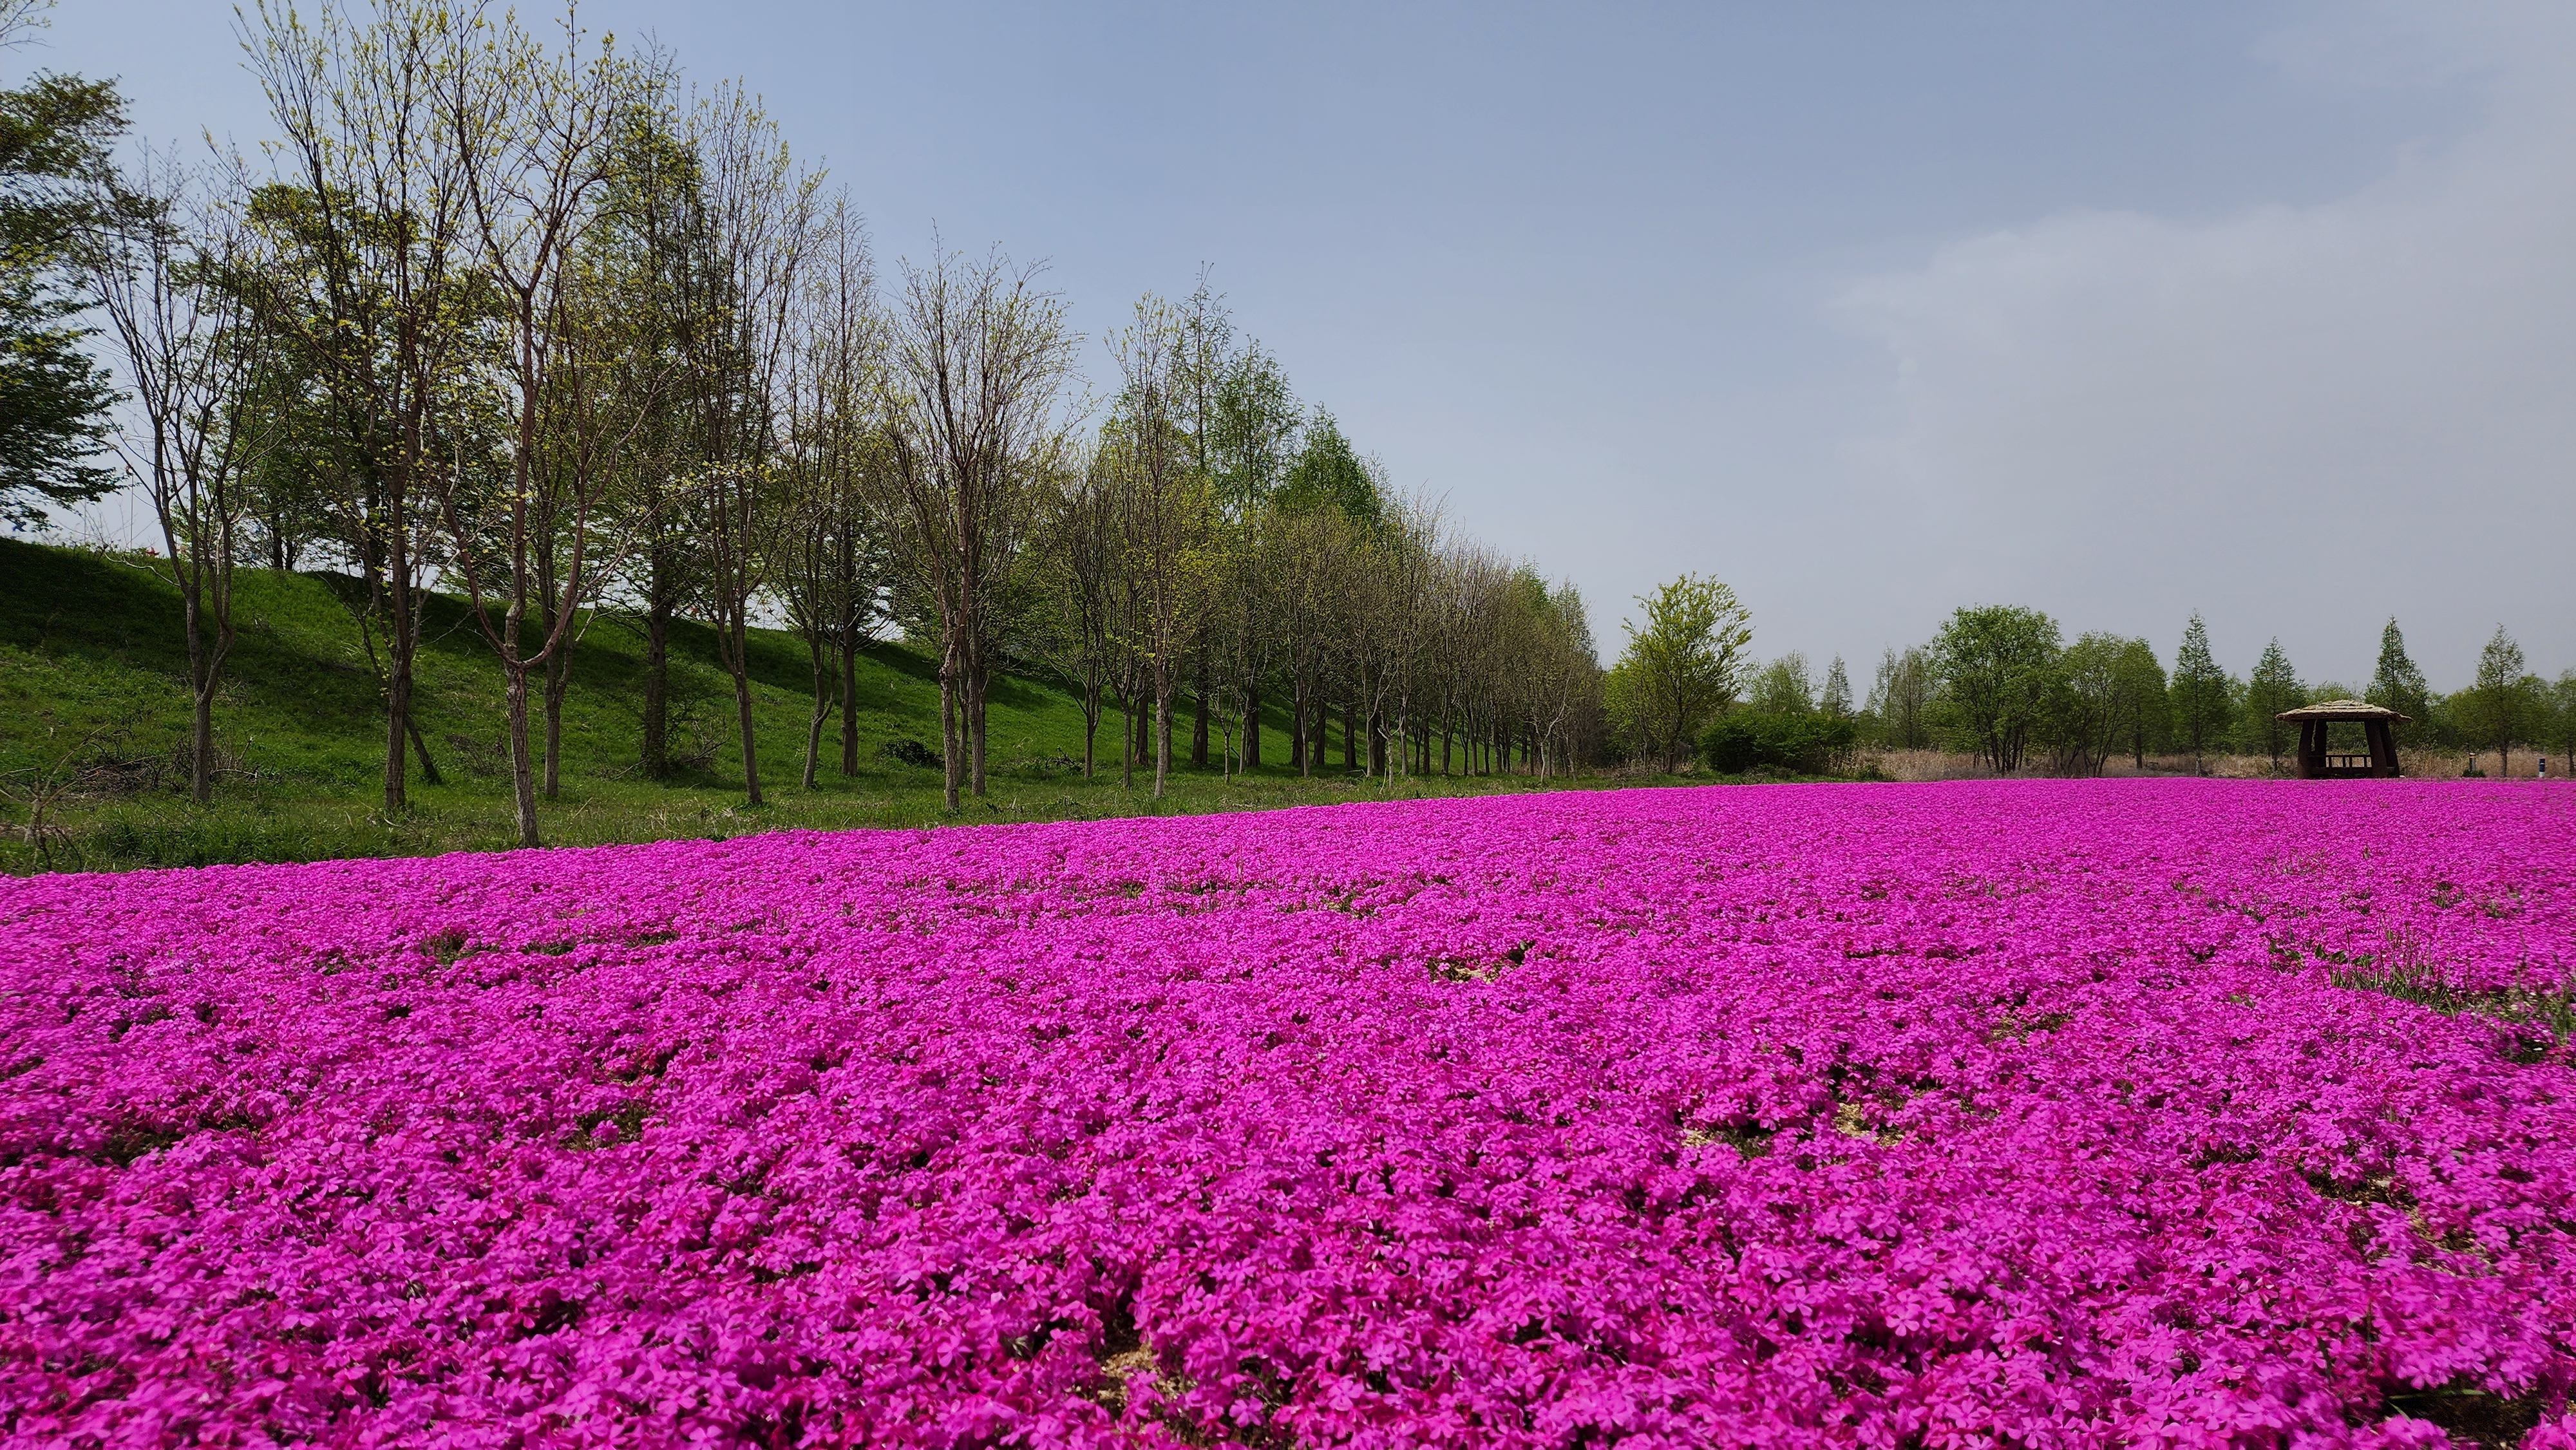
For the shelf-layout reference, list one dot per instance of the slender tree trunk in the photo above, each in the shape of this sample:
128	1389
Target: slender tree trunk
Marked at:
1162	744
740	665
1199	731
1350	736
523	778
1090	727
1251	729
1300	759
201	747
1127	739
849	705
822	709
397	682
657	687
558	680
976	684
952	754
201	673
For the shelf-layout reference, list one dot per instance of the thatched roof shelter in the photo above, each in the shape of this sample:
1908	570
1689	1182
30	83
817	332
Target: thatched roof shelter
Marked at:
2377	724
2337	712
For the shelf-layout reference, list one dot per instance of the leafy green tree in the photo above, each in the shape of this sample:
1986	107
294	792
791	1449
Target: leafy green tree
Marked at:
1997	665
2562	719
2146	707
2273	688
1836	697
2203	696
1328	471
1683	667
55	132
2396	684
2091	716
2505	703
1901	699
1782	687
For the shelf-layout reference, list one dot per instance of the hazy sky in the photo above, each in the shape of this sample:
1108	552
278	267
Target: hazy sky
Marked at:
2264	310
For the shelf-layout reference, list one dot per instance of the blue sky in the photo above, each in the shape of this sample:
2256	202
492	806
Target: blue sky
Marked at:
1872	310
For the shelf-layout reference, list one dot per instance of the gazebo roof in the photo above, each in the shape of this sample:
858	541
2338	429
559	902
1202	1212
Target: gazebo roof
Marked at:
2339	711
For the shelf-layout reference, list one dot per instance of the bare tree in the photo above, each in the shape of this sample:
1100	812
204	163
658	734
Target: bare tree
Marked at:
1392	593
375	294
167	269
1084	547
830	565
1167	513
978	360
756	221
533	129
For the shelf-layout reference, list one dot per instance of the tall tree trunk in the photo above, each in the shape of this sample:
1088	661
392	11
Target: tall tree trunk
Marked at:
657	687
1162	725
523	778
976	683
1350	735
849	704
397	682
201	672
952	754
1199	731
1251	728
1127	739
822	708
1319	722
740	664
1090	727
201	748
1299	757
558	680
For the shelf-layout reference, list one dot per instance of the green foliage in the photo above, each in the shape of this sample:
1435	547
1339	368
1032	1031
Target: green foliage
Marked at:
2507	705
2098	701
2203	696
1835	698
1808	743
1783	687
1998	669
93	698
1329	472
2561	730
2273	688
2396	684
1902	700
54	135
1683	667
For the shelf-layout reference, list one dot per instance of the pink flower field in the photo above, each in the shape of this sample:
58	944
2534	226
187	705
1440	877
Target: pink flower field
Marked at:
2029	1113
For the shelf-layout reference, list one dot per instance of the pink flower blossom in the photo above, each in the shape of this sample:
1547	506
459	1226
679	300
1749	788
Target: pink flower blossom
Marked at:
2020	1113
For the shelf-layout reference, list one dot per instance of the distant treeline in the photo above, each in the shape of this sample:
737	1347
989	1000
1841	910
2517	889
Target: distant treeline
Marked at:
2002	682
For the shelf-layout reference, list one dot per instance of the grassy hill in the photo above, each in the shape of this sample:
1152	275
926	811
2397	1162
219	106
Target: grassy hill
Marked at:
93	705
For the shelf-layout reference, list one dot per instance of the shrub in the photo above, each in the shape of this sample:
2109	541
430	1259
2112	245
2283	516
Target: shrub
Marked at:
1800	744
908	751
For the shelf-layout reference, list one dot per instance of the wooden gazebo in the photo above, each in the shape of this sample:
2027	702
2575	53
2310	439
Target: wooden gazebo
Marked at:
2375	722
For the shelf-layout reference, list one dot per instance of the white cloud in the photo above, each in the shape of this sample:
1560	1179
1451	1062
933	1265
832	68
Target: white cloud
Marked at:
2299	419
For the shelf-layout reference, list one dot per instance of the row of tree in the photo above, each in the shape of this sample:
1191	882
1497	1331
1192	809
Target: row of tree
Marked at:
516	315
2003	683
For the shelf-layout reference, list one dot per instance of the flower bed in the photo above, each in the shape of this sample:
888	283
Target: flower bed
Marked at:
2044	1113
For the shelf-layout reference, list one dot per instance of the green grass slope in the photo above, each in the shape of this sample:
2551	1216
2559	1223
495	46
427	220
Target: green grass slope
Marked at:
94	718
